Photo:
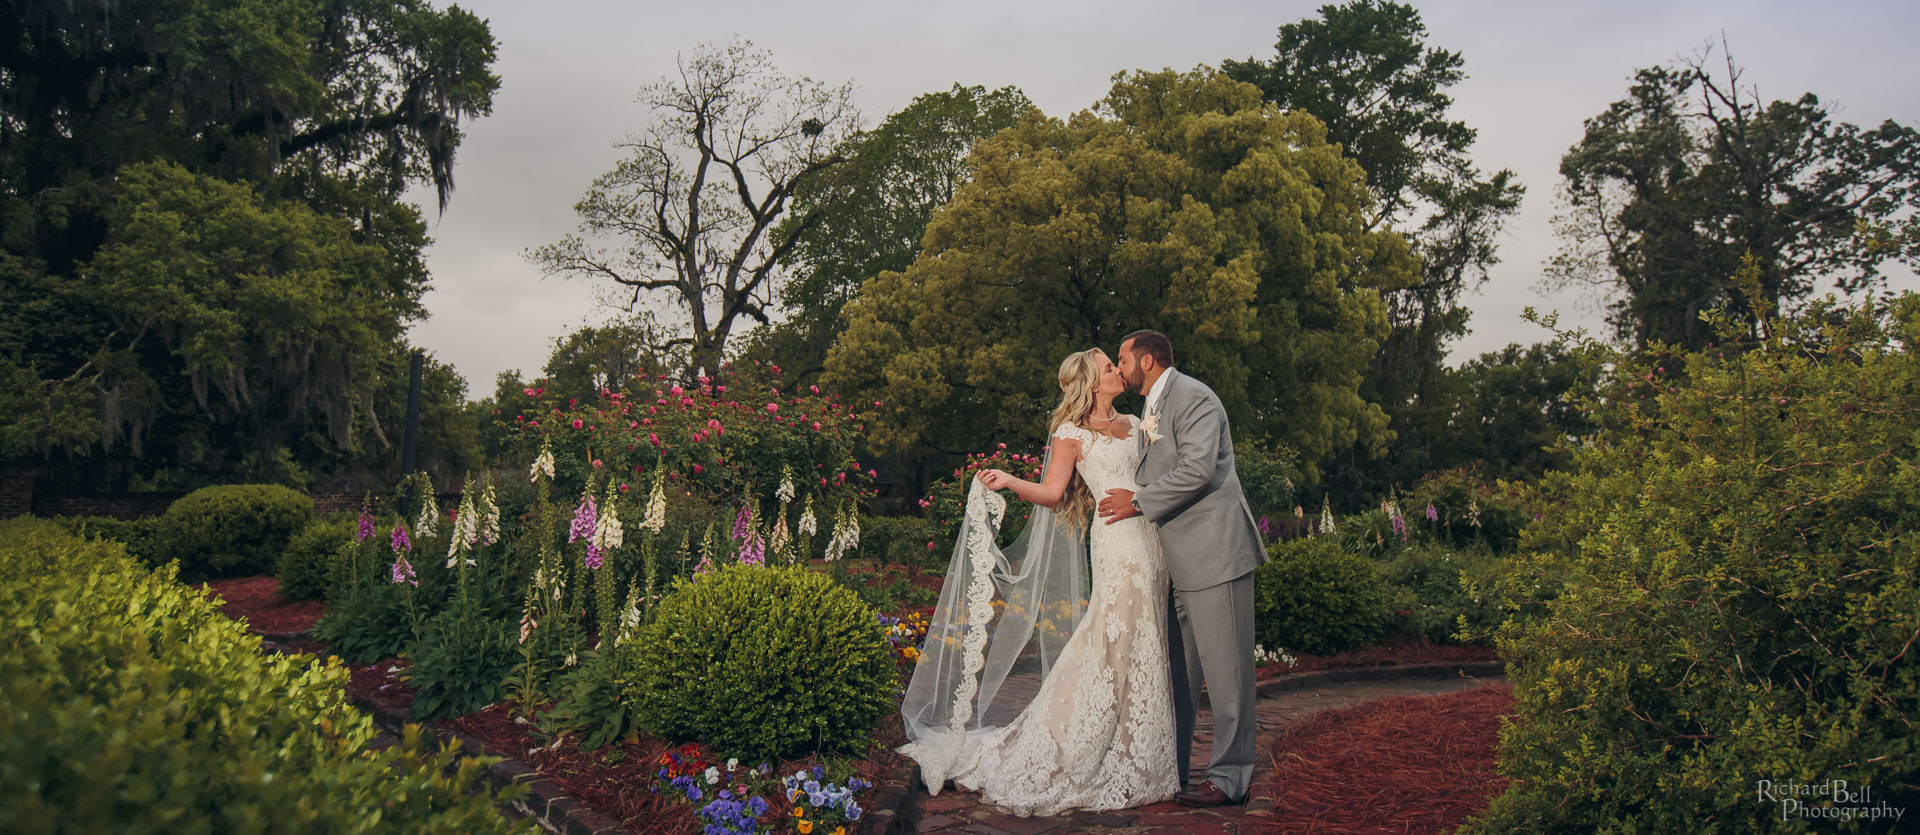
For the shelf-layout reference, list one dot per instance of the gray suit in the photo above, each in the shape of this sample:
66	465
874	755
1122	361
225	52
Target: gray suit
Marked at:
1190	490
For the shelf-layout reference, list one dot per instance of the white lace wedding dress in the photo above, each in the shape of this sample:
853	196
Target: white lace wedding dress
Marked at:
1099	733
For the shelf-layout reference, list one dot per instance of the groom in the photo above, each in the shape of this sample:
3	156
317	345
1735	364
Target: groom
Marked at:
1191	492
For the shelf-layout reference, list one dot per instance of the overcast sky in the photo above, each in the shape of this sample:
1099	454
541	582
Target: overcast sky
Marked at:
570	69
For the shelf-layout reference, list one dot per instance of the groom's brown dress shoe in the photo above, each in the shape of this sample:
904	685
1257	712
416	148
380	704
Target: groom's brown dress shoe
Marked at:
1207	795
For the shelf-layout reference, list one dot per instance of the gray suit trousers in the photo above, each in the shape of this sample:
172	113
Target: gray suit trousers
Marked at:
1216	647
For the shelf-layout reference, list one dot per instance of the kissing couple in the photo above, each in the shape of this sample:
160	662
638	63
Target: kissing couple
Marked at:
1046	698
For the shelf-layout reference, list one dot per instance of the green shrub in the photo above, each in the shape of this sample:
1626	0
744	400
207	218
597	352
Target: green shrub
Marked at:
133	705
306	569
1315	598
900	540
1733	572
1428	595
140	536
232	530
761	663
368	622
1469	509
462	661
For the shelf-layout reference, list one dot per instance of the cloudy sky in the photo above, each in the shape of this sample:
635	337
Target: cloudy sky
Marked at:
570	69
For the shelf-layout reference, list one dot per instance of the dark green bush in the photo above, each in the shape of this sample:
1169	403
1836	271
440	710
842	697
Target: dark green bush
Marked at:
1427	595
900	540
462	661
763	663
306	569
1469	509
1732	570
140	536
368	622
1315	598
133	705
232	530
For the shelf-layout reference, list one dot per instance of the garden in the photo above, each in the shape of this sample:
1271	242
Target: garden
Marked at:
268	564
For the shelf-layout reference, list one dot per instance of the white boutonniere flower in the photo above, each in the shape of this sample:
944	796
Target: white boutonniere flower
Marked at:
1149	425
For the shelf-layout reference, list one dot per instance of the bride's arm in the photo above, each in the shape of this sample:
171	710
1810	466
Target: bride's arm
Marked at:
1052	485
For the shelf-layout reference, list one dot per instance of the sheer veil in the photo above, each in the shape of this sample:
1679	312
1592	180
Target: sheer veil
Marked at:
1003	618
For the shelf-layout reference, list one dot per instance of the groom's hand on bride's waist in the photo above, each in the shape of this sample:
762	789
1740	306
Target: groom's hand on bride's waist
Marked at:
1118	505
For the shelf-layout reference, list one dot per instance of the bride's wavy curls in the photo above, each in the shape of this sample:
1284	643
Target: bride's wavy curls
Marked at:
1078	374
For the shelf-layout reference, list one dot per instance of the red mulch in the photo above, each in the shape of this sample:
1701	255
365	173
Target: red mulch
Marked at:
1399	649
380	683
258	600
1411	764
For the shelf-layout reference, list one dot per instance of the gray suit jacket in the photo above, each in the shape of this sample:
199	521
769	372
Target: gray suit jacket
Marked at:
1191	491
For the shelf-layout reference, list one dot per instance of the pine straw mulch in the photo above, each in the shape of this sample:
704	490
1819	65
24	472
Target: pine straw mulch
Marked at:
1392	651
258	600
1409	764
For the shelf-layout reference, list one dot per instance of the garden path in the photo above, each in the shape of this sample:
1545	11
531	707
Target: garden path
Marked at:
963	812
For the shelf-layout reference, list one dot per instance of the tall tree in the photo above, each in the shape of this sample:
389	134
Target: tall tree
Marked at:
696	209
164	164
869	215
1182	203
1674	185
1365	70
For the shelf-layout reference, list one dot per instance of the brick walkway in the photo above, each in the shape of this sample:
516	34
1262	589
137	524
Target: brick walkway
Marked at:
963	812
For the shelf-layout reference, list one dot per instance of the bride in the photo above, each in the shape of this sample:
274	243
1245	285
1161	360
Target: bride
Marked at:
1028	691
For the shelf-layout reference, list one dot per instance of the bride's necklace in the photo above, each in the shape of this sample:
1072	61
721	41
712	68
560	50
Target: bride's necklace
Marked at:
1104	419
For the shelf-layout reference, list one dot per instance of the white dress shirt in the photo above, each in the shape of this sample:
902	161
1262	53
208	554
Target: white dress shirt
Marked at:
1153	394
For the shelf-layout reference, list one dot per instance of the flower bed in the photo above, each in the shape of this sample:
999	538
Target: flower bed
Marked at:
1413	764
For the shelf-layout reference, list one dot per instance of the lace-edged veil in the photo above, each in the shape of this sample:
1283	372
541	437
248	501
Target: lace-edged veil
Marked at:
1003	618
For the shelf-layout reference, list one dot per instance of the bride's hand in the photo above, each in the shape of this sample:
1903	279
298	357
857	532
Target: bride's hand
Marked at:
995	479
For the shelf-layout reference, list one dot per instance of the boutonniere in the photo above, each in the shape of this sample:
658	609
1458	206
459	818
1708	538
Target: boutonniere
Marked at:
1151	423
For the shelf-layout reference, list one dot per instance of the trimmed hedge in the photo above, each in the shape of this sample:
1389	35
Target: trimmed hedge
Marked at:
133	705
1315	598
233	530
763	663
305	569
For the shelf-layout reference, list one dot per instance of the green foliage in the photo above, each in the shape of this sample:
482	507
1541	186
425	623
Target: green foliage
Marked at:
233	530
368	622
1182	203
1270	477
141	537
1728	586
722	426
96	644
195	195
1470	509
870	214
306	568
946	501
462	661
1428	594
762	663
1316	598
900	540
593	702
1366	71
1673	186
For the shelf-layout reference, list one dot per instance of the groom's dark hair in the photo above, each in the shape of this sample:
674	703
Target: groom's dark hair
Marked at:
1153	344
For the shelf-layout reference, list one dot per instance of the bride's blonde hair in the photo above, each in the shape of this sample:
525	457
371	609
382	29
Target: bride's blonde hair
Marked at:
1078	374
